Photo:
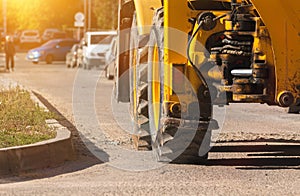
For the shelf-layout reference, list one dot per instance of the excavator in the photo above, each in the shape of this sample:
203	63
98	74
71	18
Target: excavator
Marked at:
178	59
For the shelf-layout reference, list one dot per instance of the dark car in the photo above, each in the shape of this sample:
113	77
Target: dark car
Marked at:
53	50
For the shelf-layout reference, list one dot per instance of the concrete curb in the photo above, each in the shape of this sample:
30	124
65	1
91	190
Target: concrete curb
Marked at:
49	153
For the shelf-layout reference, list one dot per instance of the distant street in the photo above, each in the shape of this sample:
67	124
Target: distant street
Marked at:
257	149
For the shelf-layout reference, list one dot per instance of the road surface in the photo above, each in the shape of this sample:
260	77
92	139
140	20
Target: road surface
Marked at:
257	150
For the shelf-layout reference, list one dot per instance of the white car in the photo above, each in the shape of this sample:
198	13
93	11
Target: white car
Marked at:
95	47
30	36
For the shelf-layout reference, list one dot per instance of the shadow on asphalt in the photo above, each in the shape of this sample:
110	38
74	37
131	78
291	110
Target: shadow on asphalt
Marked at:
259	156
276	157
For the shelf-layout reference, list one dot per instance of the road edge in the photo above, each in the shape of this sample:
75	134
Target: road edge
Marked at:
44	154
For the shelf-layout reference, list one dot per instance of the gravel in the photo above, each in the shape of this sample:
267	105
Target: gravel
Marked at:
252	156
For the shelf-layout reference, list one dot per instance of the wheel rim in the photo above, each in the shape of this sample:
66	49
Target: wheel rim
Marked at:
132	72
134	81
155	78
156	99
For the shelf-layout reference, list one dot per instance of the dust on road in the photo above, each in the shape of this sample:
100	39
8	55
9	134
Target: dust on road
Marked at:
258	167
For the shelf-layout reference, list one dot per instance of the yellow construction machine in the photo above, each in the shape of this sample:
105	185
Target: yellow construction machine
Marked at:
178	58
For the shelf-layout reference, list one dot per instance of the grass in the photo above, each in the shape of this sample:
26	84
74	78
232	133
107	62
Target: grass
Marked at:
22	121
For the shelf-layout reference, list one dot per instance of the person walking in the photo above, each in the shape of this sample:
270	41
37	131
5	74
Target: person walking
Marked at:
10	52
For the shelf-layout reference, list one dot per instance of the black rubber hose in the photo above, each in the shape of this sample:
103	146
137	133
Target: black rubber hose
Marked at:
189	57
189	46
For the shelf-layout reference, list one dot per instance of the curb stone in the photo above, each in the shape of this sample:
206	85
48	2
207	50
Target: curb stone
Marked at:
49	153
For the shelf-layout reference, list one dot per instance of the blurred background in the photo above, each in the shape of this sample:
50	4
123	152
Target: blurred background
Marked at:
20	15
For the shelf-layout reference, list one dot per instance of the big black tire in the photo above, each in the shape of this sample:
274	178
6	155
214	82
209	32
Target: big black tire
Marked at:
49	59
295	109
170	143
139	88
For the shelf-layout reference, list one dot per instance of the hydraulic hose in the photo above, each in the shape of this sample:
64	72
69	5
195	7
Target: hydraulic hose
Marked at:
235	7
189	57
201	22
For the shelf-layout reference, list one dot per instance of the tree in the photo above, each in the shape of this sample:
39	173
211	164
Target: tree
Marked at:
41	14
106	12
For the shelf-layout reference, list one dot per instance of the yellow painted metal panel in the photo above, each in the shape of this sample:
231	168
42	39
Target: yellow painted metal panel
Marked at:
176	28
282	19
144	11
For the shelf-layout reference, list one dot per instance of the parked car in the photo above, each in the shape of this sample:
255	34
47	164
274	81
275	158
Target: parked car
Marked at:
96	45
30	37
80	53
47	34
16	36
110	59
71	57
58	35
53	50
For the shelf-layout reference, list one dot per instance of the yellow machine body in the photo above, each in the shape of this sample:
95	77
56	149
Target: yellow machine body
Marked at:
281	26
247	51
282	20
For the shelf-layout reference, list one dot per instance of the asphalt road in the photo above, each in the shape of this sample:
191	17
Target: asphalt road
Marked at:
256	150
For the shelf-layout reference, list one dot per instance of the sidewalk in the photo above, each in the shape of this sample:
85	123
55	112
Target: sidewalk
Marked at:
40	155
